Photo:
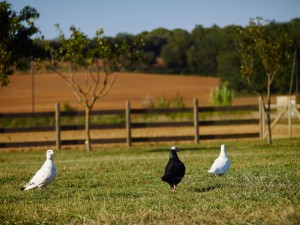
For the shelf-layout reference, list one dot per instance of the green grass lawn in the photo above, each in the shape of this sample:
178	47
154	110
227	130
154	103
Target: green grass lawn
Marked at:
119	185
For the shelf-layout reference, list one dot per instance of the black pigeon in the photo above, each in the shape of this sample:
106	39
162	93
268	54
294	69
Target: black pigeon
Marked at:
175	169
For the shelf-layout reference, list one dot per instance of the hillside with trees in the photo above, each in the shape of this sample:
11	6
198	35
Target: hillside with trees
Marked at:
211	51
206	52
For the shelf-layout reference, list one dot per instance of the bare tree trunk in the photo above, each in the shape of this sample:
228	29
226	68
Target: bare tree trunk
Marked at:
87	129
269	112
269	125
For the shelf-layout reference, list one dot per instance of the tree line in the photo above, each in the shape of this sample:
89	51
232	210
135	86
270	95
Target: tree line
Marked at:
203	51
211	51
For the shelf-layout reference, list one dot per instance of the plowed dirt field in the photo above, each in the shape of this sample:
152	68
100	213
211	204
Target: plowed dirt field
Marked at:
137	88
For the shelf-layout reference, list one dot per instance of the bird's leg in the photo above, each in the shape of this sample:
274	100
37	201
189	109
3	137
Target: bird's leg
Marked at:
174	187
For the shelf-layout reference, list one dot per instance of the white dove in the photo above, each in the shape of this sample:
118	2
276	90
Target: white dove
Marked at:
44	176
221	164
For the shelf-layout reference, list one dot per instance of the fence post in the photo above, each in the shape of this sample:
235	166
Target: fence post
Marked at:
290	117
261	118
57	125
196	122
128	123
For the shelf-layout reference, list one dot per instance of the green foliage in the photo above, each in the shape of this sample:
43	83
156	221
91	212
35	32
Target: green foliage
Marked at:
178	101
221	96
202	53
118	185
163	103
27	122
15	43
174	53
257	44
109	119
68	120
68	107
81	52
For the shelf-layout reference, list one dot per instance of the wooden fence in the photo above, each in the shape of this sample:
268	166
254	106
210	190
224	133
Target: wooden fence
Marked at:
128	125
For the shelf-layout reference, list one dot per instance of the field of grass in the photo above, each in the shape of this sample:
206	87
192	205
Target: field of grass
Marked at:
119	185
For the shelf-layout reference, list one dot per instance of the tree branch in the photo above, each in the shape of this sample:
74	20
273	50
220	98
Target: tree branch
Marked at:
256	92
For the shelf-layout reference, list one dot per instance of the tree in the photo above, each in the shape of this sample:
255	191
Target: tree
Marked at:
154	42
174	53
16	30
228	60
257	45
202	54
101	62
221	96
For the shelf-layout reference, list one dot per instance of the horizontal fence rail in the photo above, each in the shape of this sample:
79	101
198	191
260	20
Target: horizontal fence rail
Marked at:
23	115
129	125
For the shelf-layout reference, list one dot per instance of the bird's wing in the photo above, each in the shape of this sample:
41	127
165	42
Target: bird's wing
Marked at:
215	166
174	170
226	165
38	179
220	165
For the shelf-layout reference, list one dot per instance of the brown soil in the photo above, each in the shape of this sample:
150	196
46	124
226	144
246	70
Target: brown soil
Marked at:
138	88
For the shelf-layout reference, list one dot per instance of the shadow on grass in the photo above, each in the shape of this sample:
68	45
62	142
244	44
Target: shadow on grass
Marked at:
185	149
206	189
